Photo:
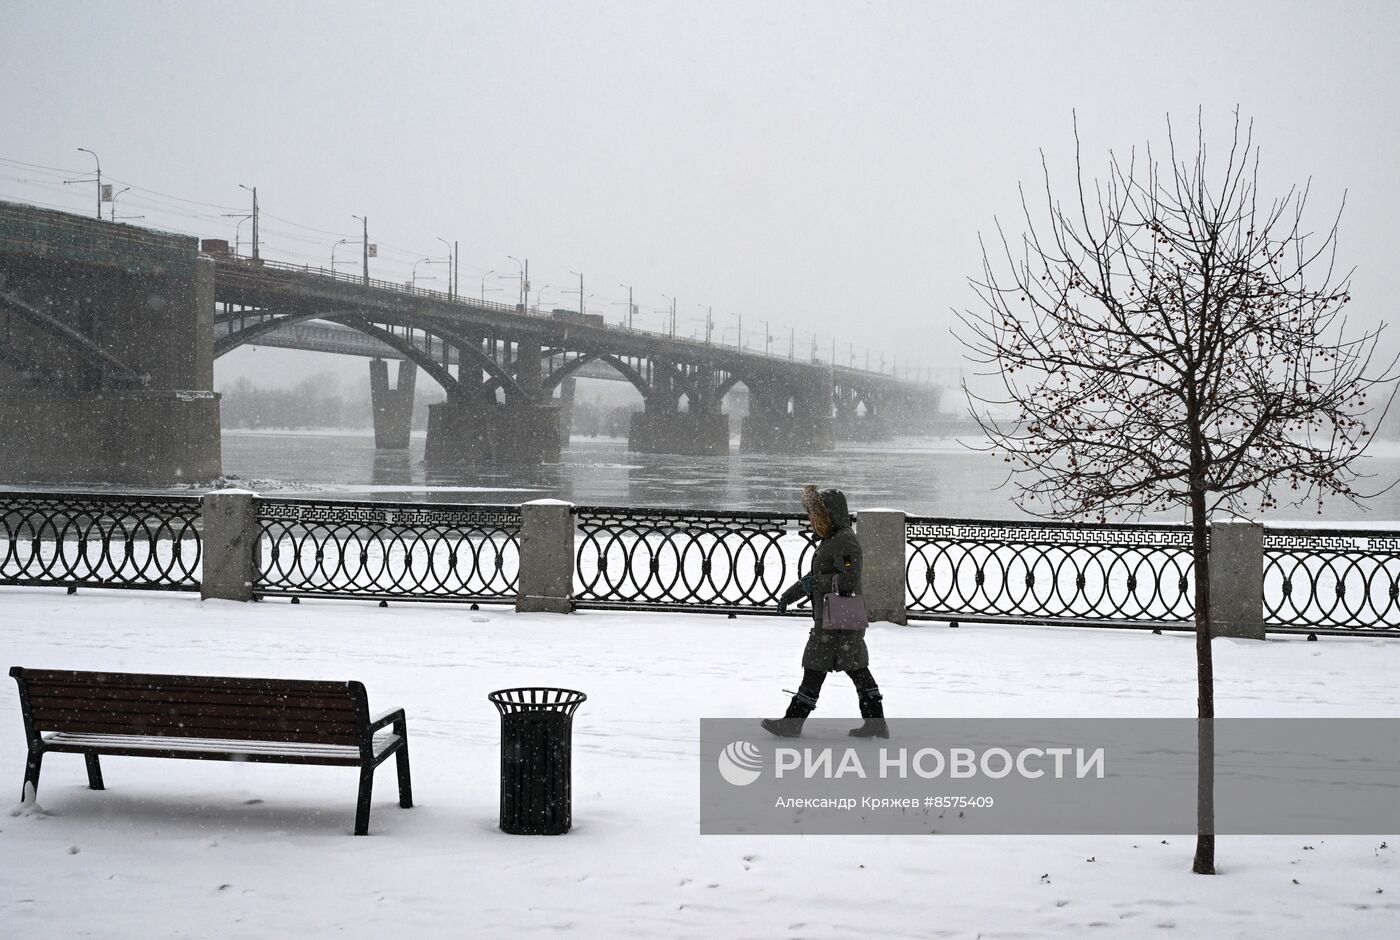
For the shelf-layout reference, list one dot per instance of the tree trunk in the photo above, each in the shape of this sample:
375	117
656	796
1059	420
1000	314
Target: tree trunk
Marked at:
1204	863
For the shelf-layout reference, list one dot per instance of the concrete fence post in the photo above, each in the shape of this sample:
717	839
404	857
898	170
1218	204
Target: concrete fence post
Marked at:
546	557
230	547
882	544
1237	579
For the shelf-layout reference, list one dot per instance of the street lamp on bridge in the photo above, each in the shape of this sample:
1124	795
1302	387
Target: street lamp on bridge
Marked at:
343	241
630	308
524	281
709	321
100	200
451	268
740	318
578	275
483	285
365	244
237	230
673	313
539	297
254	191
413	277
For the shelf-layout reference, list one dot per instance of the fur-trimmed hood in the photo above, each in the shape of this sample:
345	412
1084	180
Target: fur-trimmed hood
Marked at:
827	509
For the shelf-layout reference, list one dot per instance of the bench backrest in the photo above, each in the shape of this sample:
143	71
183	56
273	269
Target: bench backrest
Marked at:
306	712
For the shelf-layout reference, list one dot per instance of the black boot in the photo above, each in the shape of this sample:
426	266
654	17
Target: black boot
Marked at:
790	725
872	709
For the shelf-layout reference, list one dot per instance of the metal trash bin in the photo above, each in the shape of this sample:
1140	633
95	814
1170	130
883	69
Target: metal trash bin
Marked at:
536	750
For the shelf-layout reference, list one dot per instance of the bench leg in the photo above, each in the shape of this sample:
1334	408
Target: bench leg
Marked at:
94	770
362	806
32	765
405	781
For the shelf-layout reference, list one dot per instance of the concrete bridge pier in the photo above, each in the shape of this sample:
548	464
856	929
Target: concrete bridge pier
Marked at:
106	356
392	407
811	417
851	425
567	389
694	433
474	429
702	430
783	422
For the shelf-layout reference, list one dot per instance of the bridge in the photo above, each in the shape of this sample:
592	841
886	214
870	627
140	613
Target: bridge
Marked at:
108	334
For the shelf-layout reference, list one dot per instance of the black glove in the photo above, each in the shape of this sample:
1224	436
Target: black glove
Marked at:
791	595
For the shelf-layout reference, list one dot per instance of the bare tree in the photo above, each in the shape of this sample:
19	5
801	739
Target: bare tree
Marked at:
1172	337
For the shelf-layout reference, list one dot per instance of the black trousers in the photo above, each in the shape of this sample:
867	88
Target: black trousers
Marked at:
812	680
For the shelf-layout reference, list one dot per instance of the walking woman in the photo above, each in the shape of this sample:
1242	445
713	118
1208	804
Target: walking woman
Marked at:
837	557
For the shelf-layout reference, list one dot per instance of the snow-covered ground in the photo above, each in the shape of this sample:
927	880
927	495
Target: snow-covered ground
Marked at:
189	849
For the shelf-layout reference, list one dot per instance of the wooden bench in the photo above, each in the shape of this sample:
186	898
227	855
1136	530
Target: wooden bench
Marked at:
280	721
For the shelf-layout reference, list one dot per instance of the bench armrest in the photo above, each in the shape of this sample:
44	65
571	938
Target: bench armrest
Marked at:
392	716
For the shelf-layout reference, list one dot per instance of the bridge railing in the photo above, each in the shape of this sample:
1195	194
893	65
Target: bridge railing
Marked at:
1313	580
251	268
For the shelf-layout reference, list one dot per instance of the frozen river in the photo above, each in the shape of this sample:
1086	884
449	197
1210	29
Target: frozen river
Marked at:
932	477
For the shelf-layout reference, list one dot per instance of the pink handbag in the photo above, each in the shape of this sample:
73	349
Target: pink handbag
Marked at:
843	611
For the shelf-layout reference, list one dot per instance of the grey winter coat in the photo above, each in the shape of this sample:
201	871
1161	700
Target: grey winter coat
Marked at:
839	555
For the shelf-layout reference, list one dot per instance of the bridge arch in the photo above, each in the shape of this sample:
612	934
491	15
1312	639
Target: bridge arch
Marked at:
468	350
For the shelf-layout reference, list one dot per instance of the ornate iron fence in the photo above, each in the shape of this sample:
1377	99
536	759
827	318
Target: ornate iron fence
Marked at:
725	562
406	551
1314	580
84	539
1332	580
1044	572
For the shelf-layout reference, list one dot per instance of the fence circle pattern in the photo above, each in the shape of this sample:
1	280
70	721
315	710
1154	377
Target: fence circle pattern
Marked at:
388	551
667	558
102	541
1338	582
1046	572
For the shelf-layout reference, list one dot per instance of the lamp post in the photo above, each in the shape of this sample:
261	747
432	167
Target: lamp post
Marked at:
254	191
524	281
673	314
451	268
579	275
767	338
343	241
483	285
413	277
630	309
365	243
113	216
539	297
740	318
237	229
709	320
98	181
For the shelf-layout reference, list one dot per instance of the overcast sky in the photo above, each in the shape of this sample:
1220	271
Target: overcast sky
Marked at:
826	166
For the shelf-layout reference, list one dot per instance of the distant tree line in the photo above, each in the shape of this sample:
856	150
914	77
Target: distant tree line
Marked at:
318	401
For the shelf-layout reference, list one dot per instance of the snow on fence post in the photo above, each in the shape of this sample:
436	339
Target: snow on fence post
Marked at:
229	545
1237	579
546	557
882	543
